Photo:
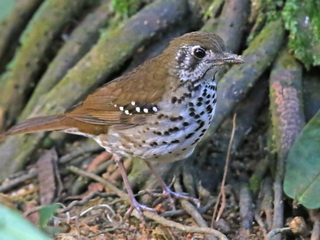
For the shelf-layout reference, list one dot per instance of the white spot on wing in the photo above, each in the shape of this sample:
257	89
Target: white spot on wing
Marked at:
145	110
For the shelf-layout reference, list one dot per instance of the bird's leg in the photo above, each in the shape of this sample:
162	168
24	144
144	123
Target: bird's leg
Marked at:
168	192
133	202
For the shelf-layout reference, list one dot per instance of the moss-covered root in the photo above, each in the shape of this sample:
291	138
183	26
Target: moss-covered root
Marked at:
102	60
286	102
80	41
232	21
240	79
287	120
12	25
20	76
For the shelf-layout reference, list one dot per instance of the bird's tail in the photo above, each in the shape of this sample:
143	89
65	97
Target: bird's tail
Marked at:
38	124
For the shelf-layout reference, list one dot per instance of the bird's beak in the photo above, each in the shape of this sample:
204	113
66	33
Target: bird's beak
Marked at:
231	58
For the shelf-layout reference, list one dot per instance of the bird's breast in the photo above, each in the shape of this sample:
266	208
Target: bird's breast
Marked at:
173	132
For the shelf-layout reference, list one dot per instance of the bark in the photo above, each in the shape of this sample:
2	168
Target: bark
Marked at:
35	41
287	120
84	36
12	26
232	23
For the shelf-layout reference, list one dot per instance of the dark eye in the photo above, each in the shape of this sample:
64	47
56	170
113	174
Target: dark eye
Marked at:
199	52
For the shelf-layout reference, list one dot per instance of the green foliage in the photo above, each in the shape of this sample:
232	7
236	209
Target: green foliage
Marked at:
46	214
5	8
272	7
302	178
125	8
14	227
302	19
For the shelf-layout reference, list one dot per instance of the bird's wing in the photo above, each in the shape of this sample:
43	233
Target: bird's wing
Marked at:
124	100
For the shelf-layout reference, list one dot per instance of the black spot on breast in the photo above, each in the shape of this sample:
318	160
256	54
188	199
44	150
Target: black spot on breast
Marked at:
192	109
196	88
166	133
199	104
160	116
185	124
208	102
200	126
195	141
189	135
173	119
188	95
175	129
153	144
191	104
192	114
214	100
200	99
209	109
174	100
175	141
197	116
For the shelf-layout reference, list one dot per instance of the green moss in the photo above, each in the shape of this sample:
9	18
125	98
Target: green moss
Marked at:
302	19
125	8
254	183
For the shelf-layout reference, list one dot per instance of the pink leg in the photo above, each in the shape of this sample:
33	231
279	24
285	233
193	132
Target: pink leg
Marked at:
167	191
133	202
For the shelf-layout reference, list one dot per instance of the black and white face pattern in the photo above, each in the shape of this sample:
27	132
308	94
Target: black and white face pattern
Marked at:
193	61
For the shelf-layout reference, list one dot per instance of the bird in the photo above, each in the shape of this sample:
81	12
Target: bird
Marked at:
158	112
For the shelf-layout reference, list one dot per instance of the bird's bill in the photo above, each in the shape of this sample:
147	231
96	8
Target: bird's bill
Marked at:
232	58
227	58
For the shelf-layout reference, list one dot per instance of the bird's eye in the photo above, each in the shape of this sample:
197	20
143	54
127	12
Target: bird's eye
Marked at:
199	52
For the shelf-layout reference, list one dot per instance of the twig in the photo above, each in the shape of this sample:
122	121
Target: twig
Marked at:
184	228
315	217
32	173
105	182
85	200
189	208
176	213
79	151
277	231
215	216
246	210
315	231
261	224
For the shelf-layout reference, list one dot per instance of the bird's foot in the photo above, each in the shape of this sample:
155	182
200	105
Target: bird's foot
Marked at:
135	205
171	195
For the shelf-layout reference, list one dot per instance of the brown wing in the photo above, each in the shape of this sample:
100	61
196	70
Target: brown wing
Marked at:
117	101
